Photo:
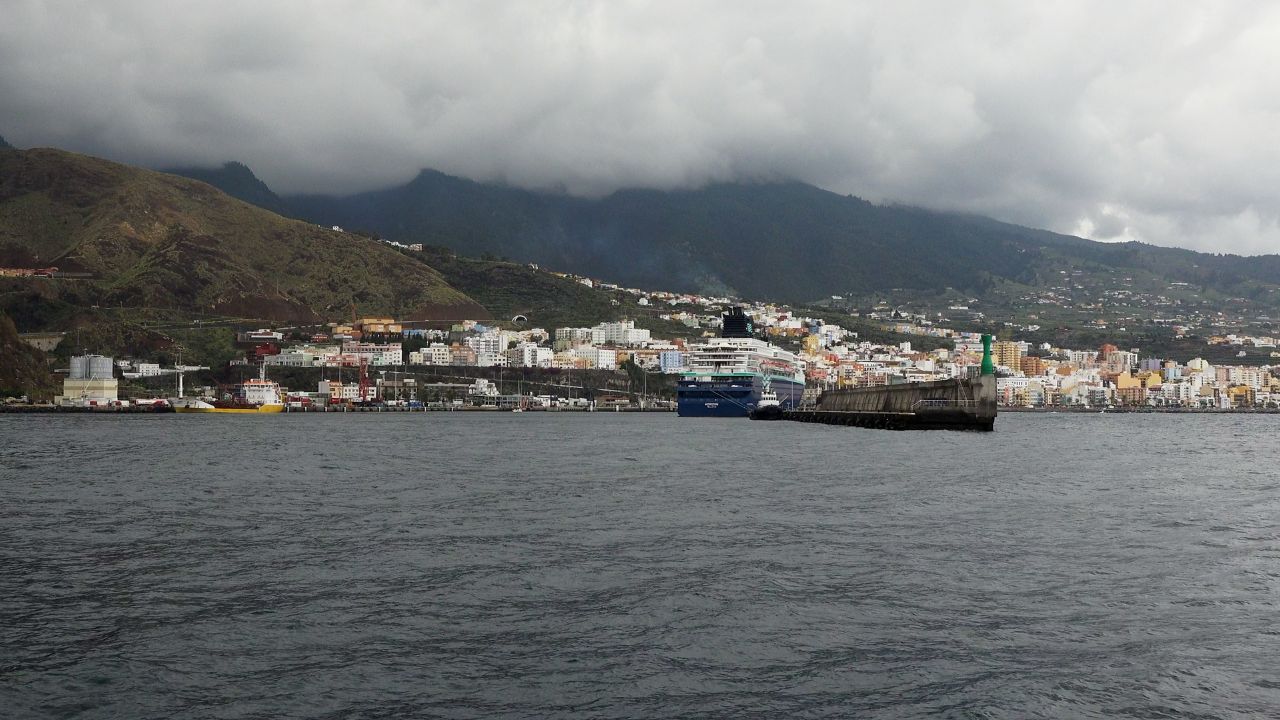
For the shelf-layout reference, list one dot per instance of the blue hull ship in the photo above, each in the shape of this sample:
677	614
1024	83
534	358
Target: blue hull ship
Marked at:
732	395
728	376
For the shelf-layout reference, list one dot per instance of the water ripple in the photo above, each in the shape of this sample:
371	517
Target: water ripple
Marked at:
467	566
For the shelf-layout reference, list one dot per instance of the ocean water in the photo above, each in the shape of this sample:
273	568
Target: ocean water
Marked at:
630	566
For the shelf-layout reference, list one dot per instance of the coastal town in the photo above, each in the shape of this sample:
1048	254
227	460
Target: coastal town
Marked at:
376	361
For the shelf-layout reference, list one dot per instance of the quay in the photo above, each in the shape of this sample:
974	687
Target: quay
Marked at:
469	409
958	404
17	408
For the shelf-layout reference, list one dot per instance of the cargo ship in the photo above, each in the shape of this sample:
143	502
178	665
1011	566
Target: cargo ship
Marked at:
728	376
252	396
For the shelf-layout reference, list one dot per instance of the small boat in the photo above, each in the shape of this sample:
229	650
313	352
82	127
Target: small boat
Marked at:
767	408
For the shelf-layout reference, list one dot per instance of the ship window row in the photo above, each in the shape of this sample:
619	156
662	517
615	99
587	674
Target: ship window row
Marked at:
714	393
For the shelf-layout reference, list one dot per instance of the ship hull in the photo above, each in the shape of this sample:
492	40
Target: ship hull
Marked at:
240	411
732	395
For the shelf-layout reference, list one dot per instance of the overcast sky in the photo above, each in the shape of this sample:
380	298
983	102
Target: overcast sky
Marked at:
1155	121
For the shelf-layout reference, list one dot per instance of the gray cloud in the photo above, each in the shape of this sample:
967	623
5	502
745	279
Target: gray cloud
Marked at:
1154	121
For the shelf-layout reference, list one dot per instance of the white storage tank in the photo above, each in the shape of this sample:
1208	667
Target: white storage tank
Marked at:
101	368
91	367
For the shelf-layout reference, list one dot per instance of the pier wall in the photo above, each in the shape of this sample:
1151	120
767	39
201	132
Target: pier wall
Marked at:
907	397
936	405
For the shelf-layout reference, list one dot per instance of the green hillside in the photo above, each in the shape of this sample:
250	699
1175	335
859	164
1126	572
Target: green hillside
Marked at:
787	241
154	241
238	181
508	289
23	370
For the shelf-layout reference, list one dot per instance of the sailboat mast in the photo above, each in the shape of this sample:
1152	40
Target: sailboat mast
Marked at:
178	366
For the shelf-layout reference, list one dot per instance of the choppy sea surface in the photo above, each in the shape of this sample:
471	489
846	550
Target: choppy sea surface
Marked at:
474	565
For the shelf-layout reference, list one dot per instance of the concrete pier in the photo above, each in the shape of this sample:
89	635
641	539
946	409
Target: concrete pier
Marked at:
937	405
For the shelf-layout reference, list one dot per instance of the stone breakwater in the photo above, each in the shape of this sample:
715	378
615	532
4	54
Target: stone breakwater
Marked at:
937	405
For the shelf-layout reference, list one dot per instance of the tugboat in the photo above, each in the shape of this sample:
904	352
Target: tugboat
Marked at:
767	408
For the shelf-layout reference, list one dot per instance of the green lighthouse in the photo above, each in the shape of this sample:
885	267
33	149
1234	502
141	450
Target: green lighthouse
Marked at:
988	367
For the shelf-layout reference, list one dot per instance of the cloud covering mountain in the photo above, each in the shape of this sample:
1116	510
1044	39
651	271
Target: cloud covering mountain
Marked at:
1153	121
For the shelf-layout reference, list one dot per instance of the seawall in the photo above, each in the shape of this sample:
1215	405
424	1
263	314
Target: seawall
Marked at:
936	405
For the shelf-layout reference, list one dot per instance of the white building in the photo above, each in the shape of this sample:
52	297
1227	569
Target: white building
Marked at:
433	354
487	358
529	354
570	337
599	358
619	333
482	388
375	353
491	342
148	369
303	356
340	392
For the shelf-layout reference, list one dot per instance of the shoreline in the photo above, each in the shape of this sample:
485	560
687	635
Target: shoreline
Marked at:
17	409
1144	410
133	410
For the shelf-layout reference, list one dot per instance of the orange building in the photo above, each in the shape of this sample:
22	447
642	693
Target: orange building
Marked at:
1033	366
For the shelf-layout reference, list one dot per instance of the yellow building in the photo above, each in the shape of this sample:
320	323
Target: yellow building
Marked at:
379	325
89	391
1242	396
1008	354
1145	380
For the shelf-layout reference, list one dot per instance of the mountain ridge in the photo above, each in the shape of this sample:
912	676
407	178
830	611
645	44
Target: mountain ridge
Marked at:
237	180
782	240
154	240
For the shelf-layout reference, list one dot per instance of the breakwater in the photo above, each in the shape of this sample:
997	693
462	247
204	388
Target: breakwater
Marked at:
936	405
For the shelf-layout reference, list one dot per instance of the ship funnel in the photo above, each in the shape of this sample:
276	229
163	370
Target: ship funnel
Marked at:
737	324
988	367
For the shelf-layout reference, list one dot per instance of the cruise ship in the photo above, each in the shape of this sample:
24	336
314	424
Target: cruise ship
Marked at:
728	376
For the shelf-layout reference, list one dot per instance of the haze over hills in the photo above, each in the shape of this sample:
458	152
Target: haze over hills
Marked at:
154	240
238	181
788	241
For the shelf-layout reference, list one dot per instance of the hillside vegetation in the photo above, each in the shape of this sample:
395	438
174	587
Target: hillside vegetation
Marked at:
787	241
508	289
23	370
151	240
238	181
